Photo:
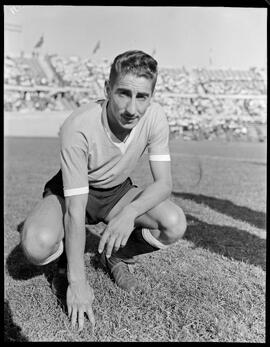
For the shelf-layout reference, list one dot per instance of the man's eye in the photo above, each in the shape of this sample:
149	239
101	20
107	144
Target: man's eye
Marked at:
142	97
122	94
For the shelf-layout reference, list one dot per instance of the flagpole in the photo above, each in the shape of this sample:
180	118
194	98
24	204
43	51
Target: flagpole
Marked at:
14	28
96	48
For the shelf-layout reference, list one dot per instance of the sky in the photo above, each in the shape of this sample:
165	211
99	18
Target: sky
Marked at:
211	37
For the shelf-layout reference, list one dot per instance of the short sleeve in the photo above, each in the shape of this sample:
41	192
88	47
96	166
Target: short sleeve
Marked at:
158	144
74	162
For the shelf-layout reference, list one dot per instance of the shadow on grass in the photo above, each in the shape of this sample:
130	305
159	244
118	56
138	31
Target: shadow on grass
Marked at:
228	241
92	240
12	332
258	219
91	246
20	268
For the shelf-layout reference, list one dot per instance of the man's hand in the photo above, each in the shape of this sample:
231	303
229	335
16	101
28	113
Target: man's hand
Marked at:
80	297
117	231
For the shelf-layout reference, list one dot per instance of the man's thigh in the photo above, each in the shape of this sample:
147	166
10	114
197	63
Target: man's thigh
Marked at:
152	219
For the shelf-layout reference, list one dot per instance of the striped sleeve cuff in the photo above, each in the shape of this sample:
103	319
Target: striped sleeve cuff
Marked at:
159	157
76	191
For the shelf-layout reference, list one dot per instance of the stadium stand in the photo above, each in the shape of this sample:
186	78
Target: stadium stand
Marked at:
199	103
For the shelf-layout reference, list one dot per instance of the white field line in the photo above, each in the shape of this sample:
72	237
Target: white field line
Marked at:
215	157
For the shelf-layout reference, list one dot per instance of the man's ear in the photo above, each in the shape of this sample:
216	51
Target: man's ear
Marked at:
107	89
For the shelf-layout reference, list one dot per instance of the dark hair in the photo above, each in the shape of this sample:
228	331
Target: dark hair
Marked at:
134	62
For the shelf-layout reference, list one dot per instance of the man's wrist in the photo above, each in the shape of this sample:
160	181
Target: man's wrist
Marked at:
132	211
75	279
75	276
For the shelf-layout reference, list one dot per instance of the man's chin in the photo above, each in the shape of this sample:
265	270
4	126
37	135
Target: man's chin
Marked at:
129	125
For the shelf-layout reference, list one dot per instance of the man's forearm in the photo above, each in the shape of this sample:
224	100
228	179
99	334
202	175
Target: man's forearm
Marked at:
75	245
154	194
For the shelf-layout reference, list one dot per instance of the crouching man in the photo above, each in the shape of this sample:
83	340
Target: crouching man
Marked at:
101	144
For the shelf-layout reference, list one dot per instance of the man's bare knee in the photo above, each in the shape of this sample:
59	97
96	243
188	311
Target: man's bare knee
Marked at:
38	244
174	225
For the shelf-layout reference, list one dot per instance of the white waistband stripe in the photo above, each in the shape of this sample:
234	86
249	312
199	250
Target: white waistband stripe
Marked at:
159	157
152	240
76	191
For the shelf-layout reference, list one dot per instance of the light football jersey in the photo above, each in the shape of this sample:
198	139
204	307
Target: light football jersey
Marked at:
92	155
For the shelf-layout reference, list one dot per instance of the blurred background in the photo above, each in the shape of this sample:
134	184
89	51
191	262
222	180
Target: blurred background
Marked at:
212	65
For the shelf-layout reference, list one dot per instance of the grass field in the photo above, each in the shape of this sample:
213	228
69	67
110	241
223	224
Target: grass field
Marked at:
208	287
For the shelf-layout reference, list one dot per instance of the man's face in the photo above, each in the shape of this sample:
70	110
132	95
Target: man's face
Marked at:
129	98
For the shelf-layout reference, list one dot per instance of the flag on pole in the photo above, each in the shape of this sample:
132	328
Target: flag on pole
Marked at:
40	42
96	48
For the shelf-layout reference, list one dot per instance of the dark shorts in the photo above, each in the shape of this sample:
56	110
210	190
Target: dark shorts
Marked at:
100	201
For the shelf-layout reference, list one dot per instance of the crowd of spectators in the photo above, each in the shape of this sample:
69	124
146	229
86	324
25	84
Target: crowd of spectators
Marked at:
22	71
199	103
233	82
21	101
210	118
80	73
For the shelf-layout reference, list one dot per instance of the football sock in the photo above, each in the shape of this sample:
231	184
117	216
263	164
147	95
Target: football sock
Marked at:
149	238
55	255
141	241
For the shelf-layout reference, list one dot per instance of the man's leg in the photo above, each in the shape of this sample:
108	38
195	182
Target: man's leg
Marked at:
166	221
157	229
43	231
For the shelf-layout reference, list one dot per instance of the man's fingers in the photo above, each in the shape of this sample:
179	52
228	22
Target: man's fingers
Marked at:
91	316
69	311
124	241
103	241
110	245
74	316
81	319
117	244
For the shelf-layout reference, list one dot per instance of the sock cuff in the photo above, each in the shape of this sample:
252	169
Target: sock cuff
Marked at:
148	237
55	255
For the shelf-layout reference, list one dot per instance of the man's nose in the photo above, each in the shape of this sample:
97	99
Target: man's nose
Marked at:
131	107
